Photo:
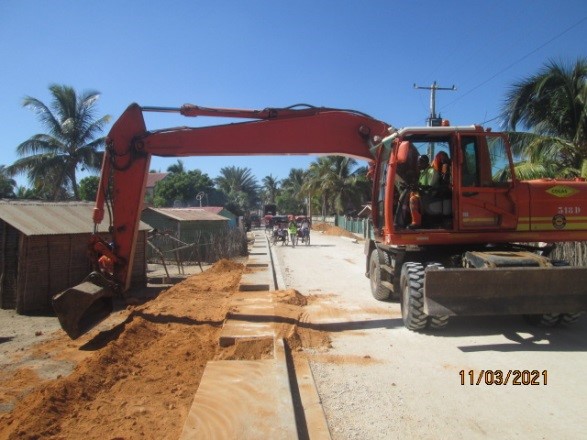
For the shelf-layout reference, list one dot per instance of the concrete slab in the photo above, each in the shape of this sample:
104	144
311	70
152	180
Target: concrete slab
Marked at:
259	280
234	330
316	424
252	399
242	400
250	317
255	260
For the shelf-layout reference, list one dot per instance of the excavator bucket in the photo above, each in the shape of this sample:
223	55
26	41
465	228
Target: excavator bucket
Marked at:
83	306
505	291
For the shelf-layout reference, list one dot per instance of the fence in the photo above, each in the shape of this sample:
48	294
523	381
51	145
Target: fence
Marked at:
355	225
330	220
199	247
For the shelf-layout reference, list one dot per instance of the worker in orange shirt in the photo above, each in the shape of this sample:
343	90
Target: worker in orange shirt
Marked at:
106	264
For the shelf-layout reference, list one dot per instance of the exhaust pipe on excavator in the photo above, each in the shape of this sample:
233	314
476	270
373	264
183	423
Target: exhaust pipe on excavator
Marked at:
82	307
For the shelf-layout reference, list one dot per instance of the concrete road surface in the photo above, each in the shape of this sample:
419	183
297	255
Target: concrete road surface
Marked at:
381	381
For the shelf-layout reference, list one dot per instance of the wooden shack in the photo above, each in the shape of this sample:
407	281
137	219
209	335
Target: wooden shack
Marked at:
194	227
43	250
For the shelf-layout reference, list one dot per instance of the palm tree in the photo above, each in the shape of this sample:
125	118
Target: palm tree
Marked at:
318	183
339	187
270	188
70	143
7	184
293	194
239	185
553	105
176	168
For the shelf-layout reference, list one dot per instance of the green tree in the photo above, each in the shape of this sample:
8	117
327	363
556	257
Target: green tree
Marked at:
552	104
270	189
292	196
177	167
183	188
339	188
69	144
7	184
88	188
240	187
25	193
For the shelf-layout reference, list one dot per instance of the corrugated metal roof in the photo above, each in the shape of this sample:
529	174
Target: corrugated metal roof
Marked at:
186	214
38	218
213	209
153	178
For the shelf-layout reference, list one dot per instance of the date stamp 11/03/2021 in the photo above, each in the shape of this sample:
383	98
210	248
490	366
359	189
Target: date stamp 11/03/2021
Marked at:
504	377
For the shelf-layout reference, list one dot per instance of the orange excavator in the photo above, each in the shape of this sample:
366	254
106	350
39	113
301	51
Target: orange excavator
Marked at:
470	238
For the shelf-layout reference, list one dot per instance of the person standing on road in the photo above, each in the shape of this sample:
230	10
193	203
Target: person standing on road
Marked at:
293	232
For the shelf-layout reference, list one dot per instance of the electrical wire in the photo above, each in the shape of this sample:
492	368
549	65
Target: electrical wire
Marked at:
514	63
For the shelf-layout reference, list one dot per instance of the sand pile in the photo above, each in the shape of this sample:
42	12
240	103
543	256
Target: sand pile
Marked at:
332	230
137	379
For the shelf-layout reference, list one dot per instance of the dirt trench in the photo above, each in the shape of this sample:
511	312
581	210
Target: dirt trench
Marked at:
138	378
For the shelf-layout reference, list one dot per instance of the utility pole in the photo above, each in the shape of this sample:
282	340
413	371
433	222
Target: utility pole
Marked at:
433	120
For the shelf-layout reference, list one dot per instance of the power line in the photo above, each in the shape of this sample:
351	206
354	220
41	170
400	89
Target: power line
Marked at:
516	62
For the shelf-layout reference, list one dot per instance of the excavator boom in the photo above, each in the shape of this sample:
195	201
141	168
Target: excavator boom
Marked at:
129	147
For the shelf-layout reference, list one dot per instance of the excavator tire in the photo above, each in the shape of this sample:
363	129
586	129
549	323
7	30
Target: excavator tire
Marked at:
569	318
552	319
412	296
437	322
376	275
543	320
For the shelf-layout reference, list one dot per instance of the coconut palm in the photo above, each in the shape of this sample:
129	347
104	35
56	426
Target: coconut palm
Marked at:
177	167
293	195
270	188
339	187
70	143
239	185
553	105
7	184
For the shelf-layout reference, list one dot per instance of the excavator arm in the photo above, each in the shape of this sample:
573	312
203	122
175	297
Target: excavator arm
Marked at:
297	130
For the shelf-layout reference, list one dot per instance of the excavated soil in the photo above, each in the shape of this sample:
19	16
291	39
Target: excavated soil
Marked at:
136	379
337	231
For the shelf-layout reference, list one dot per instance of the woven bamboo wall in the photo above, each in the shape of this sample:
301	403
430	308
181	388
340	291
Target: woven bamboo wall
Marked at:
48	264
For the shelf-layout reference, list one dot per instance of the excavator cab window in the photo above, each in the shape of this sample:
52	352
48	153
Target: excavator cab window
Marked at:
485	162
384	165
435	196
469	169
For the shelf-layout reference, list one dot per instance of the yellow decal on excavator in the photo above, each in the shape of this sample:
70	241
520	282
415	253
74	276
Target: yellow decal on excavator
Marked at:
561	191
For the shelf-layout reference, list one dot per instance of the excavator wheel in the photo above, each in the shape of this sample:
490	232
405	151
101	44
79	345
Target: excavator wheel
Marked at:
83	306
569	318
552	319
412	296
437	322
377	275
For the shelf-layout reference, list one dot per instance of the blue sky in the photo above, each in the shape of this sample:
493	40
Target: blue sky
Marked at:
363	55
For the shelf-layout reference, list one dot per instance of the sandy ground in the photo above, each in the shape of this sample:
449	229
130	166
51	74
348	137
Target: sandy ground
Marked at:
135	375
132	377
381	381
